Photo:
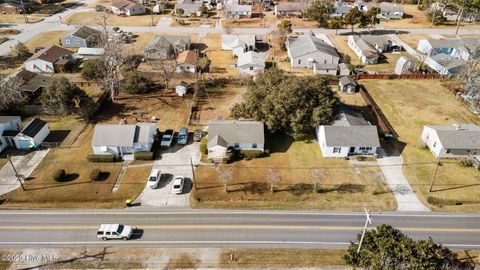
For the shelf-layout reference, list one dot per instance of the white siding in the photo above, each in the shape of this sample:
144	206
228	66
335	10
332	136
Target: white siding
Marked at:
424	46
431	140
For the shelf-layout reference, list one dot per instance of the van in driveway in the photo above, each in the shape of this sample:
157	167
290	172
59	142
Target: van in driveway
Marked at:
114	231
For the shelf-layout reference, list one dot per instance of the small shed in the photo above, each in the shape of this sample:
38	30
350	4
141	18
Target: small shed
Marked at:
181	88
404	66
344	70
32	135
347	84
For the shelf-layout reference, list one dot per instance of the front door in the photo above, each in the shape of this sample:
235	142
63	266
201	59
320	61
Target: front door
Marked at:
352	150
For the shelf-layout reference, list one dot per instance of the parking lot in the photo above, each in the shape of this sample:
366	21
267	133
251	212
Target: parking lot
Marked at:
173	161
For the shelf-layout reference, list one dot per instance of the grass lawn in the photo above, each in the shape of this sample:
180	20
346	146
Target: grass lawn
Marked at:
221	61
341	44
386	65
412	39
89	18
222	98
46	39
344	187
77	191
247	23
281	257
411	104
19	18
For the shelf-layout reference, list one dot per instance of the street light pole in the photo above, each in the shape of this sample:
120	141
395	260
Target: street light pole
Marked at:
367	221
15	170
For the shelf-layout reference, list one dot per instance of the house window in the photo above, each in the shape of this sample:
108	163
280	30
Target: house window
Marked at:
448	151
254	145
434	144
299	61
336	150
237	145
251	68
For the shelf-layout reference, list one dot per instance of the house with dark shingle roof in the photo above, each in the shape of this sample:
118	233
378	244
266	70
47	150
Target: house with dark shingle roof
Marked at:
166	47
457	140
289	9
311	52
32	135
348	135
82	37
187	61
49	59
123	140
234	134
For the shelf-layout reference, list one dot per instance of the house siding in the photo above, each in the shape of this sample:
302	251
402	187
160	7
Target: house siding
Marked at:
39	66
24	142
74	42
342	151
430	138
316	57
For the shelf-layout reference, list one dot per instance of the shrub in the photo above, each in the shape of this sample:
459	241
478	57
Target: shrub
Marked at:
230	157
466	162
252	153
364	158
103	158
441	202
144	155
95	174
204	146
58	175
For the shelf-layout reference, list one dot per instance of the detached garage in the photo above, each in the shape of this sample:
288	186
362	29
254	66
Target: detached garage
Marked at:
32	135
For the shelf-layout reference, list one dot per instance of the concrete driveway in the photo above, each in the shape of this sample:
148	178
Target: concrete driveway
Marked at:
173	161
25	164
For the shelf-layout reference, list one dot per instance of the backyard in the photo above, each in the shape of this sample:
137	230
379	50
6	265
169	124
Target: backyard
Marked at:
46	39
343	186
411	104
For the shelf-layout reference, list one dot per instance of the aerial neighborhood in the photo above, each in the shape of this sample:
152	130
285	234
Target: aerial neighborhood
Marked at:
332	105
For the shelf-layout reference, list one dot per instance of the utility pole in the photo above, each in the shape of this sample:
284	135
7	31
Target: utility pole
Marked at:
24	11
193	174
367	221
434	174
19	176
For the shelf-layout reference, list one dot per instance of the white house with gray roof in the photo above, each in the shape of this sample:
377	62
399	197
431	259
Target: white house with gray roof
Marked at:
123	140
238	11
234	134
368	48
189	7
446	64
390	11
349	134
311	52
458	48
457	140
250	63
238	44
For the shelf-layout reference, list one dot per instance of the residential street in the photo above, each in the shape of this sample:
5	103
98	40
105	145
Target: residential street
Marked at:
226	228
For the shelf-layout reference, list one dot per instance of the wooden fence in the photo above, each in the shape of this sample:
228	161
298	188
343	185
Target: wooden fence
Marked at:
382	122
399	77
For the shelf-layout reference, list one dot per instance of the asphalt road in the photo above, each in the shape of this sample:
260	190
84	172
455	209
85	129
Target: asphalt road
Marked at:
219	228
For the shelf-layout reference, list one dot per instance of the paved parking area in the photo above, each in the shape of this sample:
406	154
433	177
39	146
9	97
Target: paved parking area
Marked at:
173	161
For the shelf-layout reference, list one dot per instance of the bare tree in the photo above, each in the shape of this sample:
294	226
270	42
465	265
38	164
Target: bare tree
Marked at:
164	68
317	176
116	56
470	77
10	94
273	177
225	176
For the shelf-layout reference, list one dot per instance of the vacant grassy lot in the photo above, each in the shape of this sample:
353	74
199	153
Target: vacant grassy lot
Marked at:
89	18
46	39
412	39
343	187
341	44
411	104
192	22
247	23
77	191
282	257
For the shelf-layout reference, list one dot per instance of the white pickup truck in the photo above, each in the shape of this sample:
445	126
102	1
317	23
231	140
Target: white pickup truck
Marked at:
114	231
167	138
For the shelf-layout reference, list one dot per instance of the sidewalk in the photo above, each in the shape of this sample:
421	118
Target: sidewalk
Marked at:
392	168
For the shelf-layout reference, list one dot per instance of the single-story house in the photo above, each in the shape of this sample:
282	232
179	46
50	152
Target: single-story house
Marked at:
250	63
49	59
224	135
238	44
90	53
123	140
9	128
166	47
458	48
82	37
349	134
311	52
390	11
189	8
369	47
127	8
181	88
446	64
31	84
341	10
187	61
239	11
347	84
457	140
32	135
289	9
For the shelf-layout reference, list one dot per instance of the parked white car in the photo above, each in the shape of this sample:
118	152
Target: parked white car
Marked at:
154	178
177	187
114	231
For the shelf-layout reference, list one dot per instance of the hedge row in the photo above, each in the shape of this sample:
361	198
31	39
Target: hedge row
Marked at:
252	153
144	155
103	158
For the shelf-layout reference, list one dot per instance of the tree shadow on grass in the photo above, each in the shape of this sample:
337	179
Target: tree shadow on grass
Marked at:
344	188
56	186
253	188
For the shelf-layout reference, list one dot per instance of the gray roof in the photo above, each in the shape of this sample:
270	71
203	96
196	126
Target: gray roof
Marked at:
237	131
239	8
389	7
251	58
364	45
351	136
459	43
289	6
217	140
85	32
121	135
308	44
345	80
458	136
452	64
349	117
5	119
343	9
379	40
163	42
